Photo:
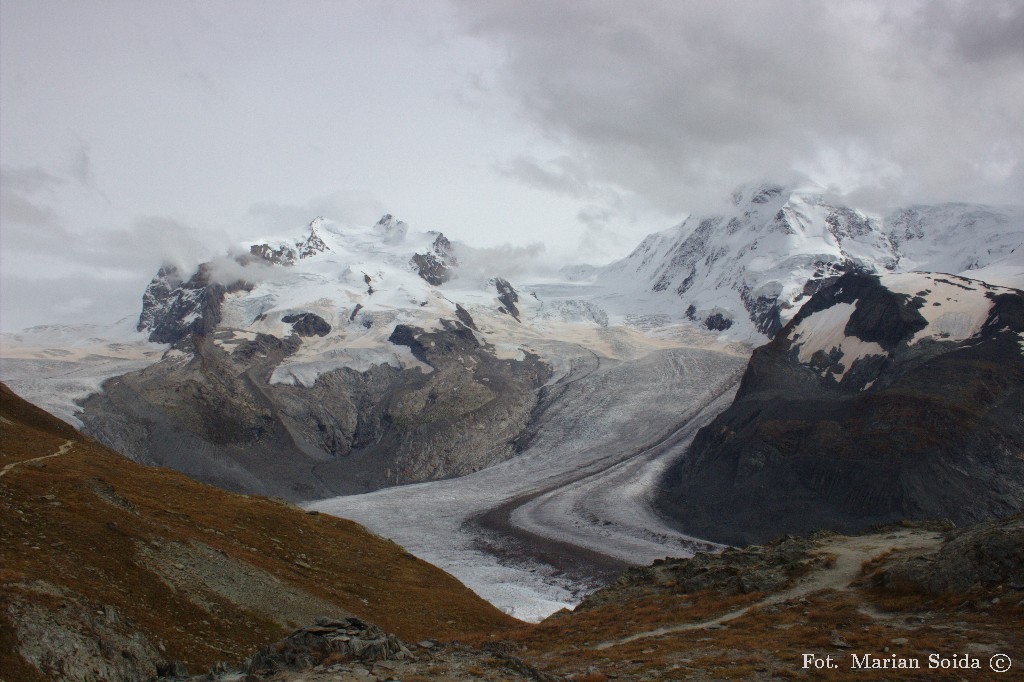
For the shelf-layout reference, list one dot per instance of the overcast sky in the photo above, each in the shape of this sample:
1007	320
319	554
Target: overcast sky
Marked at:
133	132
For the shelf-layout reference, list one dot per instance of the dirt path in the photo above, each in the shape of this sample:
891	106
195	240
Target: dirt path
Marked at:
62	450
850	554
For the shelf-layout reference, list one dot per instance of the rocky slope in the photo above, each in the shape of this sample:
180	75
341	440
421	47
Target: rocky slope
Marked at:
112	570
884	398
754	614
210	409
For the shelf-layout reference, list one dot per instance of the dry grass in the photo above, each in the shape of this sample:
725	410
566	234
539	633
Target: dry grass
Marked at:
56	527
768	642
88	545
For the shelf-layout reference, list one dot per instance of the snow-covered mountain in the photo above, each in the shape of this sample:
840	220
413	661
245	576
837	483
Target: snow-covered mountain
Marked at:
351	358
750	269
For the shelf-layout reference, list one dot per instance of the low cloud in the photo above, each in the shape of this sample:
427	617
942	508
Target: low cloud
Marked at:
514	263
91	271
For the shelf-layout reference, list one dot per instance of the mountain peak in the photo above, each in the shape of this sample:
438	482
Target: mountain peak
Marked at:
314	243
394	230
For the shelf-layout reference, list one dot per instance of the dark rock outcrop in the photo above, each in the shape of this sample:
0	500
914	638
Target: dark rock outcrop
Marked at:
286	255
926	430
347	639
282	255
717	322
173	309
766	568
464	316
984	555
436	266
308	324
508	297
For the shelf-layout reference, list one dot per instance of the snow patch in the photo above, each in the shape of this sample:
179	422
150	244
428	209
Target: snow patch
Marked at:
955	307
824	331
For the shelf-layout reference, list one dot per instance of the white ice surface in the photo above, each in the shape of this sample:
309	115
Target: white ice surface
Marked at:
611	422
55	367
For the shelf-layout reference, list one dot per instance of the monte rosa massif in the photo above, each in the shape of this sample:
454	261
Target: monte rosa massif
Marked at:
536	437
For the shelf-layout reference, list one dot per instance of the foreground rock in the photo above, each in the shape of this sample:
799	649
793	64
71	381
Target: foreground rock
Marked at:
351	649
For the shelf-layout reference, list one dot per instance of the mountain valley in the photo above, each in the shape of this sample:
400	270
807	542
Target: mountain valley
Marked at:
794	366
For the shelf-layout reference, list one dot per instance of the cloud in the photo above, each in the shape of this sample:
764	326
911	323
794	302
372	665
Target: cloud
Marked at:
563	175
56	267
514	263
29	179
344	206
681	101
80	167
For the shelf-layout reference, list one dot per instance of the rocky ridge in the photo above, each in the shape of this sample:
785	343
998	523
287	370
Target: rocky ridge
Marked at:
882	399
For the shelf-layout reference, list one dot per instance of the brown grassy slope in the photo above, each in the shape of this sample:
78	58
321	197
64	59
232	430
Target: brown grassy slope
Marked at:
149	542
768	642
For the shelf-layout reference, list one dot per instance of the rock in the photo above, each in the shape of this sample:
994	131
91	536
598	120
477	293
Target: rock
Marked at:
508	297
437	266
464	317
173	309
836	640
348	639
360	431
984	555
308	324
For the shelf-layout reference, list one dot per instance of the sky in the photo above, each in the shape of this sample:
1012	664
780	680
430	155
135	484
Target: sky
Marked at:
136	133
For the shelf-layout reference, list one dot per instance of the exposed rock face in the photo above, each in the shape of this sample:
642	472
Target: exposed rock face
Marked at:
314	243
508	297
284	254
764	568
350	648
76	642
464	316
309	324
880	400
436	266
213	414
984	555
349	638
717	322
392	229
173	309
